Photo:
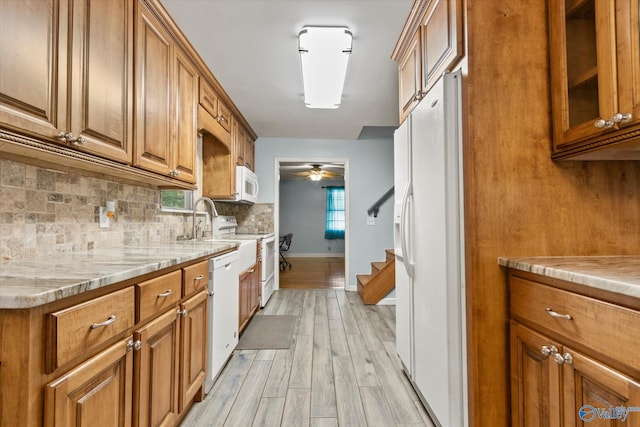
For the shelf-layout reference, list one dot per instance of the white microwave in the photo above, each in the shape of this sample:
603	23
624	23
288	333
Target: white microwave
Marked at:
246	185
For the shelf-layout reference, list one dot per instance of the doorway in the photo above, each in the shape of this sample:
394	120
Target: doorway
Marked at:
300	209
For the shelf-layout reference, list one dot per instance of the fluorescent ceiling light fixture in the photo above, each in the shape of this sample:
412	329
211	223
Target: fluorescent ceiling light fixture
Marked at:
324	54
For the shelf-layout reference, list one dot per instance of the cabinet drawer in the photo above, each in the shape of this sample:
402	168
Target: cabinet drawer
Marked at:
195	278
603	327
156	295
77	329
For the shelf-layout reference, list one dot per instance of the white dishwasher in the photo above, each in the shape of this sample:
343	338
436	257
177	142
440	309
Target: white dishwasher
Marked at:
223	304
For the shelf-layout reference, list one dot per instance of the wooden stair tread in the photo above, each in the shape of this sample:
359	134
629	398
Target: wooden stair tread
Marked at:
377	266
375	286
364	278
390	254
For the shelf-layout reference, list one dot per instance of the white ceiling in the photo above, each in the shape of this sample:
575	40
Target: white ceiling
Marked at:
251	48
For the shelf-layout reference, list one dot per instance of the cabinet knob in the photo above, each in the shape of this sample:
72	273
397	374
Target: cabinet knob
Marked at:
563	358
557	357
621	117
134	345
79	141
546	351
68	137
603	124
182	313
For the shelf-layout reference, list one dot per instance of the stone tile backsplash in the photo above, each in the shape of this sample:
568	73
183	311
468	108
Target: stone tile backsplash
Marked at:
46	212
256	218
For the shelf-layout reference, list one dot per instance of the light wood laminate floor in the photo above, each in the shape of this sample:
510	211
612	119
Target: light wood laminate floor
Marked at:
313	273
341	370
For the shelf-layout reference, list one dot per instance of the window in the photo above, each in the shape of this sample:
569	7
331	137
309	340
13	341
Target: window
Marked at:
177	200
335	223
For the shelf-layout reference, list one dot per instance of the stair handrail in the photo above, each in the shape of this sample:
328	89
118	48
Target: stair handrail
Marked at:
373	210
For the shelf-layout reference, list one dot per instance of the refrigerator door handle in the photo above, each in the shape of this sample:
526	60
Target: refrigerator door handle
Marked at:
408	265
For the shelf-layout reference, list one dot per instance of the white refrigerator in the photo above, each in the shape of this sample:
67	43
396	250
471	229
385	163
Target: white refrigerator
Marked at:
429	249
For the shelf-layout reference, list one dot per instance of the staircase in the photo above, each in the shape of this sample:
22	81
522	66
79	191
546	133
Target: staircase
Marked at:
375	286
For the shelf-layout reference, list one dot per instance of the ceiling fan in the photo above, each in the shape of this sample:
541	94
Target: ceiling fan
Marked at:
316	173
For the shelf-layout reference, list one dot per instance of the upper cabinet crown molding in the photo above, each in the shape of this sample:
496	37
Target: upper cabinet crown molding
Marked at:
595	79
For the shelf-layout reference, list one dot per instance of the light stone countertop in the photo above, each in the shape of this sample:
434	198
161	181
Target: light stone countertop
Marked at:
26	283
619	274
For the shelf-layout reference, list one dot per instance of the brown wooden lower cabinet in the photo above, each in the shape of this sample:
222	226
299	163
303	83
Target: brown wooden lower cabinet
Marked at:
249	284
148	379
170	363
98	392
156	370
193	349
535	380
561	375
590	386
554	385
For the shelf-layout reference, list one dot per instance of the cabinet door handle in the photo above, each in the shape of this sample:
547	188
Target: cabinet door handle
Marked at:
165	293
182	313
552	313
199	277
107	322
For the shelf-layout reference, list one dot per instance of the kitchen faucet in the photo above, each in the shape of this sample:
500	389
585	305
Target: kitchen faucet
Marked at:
214	214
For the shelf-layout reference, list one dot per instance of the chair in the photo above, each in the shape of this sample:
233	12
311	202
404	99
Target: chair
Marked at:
285	244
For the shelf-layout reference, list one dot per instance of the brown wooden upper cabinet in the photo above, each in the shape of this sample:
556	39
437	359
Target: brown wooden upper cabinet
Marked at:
115	79
244	146
430	44
410	77
595	73
211	102
69	78
166	101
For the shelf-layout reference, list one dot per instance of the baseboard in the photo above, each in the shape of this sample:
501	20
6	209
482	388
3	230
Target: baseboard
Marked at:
387	301
310	255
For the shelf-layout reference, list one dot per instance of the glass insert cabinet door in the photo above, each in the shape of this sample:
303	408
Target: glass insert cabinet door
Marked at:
583	68
595	68
582	62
